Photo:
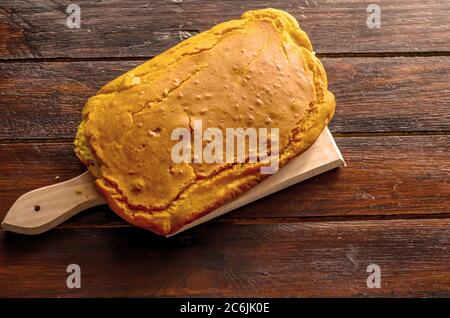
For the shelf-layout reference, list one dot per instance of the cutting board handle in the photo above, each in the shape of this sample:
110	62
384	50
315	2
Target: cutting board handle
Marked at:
42	209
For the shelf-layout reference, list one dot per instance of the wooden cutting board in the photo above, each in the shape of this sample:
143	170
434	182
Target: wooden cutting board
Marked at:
42	209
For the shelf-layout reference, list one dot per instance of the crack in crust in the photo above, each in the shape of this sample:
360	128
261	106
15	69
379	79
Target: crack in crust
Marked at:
301	76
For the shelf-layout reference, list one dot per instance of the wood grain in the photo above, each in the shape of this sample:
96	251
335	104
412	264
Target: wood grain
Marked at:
44	100
36	29
43	209
384	176
302	259
390	94
390	205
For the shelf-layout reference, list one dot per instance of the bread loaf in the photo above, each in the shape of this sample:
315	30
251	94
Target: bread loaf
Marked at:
259	71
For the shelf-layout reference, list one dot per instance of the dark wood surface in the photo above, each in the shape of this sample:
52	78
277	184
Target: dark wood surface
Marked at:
234	259
381	179
390	205
117	28
381	97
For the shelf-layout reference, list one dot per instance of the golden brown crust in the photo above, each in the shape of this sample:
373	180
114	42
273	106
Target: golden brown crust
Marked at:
259	71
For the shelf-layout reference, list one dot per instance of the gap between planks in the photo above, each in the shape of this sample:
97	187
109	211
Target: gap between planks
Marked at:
277	220
335	134
145	58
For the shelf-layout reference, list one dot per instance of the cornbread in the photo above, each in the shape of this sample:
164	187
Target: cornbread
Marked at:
259	71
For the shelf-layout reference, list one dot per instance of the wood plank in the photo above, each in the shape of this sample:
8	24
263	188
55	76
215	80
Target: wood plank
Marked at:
302	259
385	176
390	94
36	29
44	100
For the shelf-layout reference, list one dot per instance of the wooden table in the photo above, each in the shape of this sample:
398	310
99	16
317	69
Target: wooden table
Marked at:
390	206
